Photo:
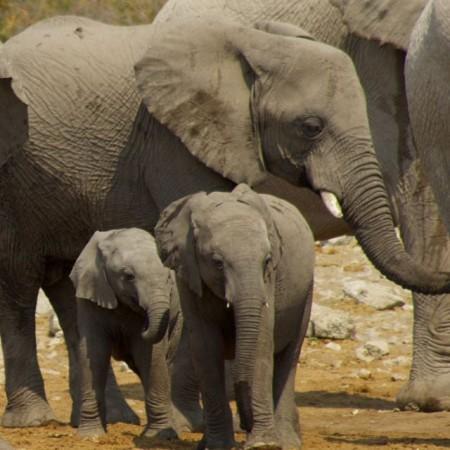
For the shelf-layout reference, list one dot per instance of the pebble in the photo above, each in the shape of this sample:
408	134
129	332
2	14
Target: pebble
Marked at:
376	295
333	346
372	350
329	323
364	374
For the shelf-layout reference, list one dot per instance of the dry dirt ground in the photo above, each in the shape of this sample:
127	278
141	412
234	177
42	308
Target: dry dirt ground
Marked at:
339	408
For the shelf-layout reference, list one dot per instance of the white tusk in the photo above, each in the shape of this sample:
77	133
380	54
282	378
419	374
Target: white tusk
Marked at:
332	204
228	305
266	304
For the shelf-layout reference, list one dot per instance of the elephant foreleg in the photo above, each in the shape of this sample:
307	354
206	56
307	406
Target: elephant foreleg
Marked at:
27	404
61	296
187	413
426	238
151	364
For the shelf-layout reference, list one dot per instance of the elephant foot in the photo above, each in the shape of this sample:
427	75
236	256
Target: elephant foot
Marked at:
190	421
91	430
117	410
210	444
28	416
164	434
427	395
263	440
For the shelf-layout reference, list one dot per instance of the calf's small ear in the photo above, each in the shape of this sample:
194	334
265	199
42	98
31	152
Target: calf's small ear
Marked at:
89	277
174	234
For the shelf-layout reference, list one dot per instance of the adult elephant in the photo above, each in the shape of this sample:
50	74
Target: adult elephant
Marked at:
375	33
220	103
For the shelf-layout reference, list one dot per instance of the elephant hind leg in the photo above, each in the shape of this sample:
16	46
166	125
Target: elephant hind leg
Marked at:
27	403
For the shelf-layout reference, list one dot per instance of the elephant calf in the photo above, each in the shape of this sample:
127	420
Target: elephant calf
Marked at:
128	308
244	265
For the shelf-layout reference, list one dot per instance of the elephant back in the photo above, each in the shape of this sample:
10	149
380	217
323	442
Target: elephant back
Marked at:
76	77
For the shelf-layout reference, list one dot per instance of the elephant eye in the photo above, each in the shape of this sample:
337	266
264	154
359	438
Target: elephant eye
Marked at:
218	263
267	262
311	127
128	275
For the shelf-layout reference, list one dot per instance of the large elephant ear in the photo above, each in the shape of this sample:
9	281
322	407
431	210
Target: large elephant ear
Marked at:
174	234
196	80
246	195
88	274
13	113
388	21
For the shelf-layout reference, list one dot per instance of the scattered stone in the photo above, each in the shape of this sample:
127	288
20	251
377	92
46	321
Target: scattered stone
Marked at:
372	350
333	346
396	362
328	323
398	377
373	294
355	412
364	374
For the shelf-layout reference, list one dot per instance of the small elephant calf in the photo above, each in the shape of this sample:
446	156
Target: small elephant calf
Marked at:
244	265
128	308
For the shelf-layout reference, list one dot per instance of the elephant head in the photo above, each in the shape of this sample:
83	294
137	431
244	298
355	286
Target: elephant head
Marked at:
229	243
124	266
248	101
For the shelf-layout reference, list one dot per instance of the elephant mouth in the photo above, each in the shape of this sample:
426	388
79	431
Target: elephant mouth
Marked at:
146	324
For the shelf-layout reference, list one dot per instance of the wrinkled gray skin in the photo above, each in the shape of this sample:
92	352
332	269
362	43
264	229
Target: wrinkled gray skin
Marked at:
244	262
128	308
358	28
221	105
427	75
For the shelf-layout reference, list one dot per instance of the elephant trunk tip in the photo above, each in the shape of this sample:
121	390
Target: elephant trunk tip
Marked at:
244	405
155	326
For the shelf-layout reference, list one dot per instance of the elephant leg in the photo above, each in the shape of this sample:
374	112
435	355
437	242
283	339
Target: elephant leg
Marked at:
285	367
187	412
263	433
27	403
61	296
151	364
426	238
94	352
117	409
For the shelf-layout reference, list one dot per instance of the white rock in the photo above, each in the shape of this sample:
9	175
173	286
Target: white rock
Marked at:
364	374
372	350
333	346
396	362
376	295
398	377
331	324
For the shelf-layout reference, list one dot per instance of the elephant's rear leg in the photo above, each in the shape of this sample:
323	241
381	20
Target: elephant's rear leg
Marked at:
62	297
27	403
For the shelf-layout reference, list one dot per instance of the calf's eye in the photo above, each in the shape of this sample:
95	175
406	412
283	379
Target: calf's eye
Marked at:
311	127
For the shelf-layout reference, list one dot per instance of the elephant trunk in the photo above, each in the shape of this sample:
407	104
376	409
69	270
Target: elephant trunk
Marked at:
157	312
247	313
366	209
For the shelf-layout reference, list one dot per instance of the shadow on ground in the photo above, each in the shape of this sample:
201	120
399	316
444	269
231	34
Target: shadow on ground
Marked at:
384	440
323	399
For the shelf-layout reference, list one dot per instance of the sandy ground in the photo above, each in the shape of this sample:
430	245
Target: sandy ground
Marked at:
339	408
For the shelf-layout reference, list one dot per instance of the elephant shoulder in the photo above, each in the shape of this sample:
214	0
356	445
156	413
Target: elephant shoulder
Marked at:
388	21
